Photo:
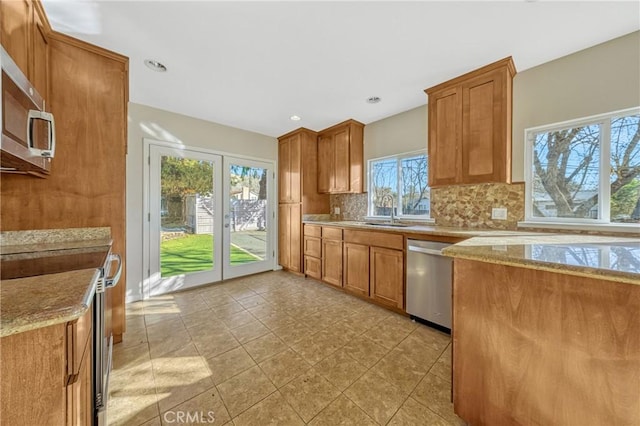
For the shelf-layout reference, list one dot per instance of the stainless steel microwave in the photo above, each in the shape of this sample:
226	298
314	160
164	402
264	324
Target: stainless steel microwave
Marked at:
28	131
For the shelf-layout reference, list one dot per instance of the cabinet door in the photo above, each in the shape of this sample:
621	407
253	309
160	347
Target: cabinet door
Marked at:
356	268
312	246
15	29
289	170
40	57
325	164
444	137
289	233
289	237
332	262
284	170
80	392
341	161
284	235
312	267
483	129
387	276
295	231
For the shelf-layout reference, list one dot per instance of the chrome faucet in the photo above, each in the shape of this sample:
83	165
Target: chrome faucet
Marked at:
389	196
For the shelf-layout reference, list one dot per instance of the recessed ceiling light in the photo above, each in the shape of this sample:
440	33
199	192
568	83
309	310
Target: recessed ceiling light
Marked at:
373	100
294	118
155	65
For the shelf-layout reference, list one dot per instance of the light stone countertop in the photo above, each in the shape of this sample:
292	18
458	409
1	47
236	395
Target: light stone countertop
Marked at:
43	300
608	258
40	301
426	230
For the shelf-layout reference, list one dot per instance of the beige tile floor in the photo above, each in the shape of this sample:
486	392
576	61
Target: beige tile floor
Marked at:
277	349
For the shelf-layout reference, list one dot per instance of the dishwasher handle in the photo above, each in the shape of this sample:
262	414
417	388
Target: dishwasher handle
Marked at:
425	250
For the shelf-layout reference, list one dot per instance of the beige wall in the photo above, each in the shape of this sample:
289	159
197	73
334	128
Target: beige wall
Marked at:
600	79
404	132
603	78
147	122
399	133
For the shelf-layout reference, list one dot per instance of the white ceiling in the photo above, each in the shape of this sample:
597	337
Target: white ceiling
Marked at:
252	65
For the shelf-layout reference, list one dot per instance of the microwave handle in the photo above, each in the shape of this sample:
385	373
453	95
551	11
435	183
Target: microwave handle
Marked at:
41	115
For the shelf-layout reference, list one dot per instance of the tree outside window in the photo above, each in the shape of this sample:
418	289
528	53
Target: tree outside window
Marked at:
589	171
399	183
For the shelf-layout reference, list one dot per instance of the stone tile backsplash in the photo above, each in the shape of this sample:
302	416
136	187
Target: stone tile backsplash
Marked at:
352	206
469	206
460	206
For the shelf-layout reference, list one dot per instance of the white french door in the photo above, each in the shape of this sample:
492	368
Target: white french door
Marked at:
210	218
248	217
185	233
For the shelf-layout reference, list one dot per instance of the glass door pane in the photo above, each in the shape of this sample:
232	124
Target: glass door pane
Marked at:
248	217
183	200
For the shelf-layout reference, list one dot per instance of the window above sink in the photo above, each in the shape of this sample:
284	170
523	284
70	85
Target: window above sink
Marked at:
398	184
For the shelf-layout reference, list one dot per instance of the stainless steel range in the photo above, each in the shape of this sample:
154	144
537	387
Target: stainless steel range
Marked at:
103	343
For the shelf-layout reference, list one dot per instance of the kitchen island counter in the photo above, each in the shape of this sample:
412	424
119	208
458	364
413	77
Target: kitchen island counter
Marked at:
608	258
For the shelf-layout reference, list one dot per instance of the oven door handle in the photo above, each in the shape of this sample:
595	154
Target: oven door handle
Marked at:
113	281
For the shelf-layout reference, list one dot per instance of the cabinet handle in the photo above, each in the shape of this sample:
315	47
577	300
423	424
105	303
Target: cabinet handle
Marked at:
44	116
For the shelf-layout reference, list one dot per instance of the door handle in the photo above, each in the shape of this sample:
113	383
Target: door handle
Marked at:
226	225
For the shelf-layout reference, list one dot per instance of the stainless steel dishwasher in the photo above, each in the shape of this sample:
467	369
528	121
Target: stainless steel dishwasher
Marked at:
429	276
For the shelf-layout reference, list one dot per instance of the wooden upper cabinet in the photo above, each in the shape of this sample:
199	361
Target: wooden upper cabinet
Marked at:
40	58
16	18
23	34
289	170
341	158
325	163
470	127
444	136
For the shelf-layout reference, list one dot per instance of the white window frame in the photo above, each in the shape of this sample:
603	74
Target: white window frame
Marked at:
397	203
604	195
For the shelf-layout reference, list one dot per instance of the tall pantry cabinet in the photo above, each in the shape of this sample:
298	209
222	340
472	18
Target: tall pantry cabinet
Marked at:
87	91
297	193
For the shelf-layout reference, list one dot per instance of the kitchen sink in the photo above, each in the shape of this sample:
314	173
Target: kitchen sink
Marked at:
395	225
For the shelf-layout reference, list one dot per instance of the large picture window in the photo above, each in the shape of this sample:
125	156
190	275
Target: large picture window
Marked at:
399	183
585	171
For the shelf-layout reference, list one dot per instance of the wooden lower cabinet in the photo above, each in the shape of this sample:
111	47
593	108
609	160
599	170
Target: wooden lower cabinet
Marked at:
387	276
540	347
313	267
332	262
289	242
365	263
356	268
47	375
80	393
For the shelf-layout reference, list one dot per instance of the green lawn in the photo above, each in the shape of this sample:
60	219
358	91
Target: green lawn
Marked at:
194	253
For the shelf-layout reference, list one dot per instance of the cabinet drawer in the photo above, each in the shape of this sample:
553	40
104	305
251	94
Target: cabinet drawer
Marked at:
377	239
78	333
312	230
331	233
313	267
312	246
